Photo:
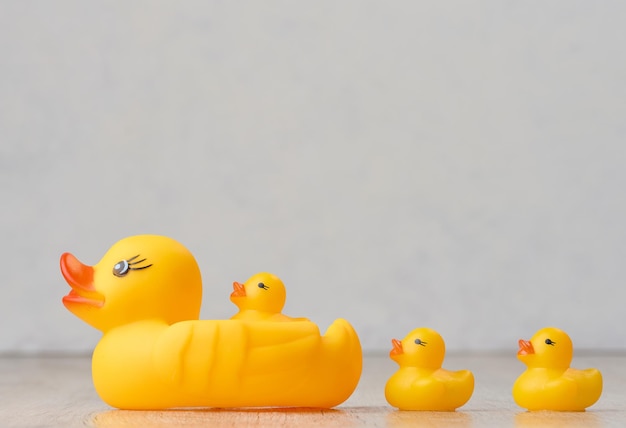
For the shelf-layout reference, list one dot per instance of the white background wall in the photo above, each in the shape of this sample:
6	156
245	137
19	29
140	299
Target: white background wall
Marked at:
459	165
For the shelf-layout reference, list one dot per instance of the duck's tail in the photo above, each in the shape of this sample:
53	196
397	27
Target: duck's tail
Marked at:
341	370
292	365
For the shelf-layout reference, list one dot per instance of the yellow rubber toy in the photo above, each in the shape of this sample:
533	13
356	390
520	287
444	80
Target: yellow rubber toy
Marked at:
261	298
145	296
421	383
549	383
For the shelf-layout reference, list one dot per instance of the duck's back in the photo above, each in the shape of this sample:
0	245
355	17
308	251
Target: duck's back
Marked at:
411	388
459	385
227	363
589	383
562	390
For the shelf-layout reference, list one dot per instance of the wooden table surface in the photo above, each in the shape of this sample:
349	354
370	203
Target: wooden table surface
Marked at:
51	392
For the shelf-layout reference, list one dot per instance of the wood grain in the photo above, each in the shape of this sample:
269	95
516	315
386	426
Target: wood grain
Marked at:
55	392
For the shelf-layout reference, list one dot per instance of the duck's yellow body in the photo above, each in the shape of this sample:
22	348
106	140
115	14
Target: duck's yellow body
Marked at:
224	363
156	354
421	383
549	383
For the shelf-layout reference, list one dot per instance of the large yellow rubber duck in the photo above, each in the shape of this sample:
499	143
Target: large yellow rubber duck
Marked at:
549	383
261	298
145	296
421	383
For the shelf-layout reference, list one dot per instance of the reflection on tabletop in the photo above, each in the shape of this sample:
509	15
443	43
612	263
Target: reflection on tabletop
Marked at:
342	417
230	417
557	419
407	419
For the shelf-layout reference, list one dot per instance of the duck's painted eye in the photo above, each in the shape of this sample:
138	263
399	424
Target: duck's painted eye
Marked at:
121	268
550	342
420	342
263	286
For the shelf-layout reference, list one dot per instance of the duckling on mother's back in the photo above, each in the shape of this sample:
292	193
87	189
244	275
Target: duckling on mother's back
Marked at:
261	298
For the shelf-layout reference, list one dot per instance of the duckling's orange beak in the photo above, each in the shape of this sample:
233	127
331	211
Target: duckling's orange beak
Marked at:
397	348
239	290
525	347
80	278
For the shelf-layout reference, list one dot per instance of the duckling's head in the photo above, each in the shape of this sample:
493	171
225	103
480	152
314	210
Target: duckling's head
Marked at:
422	347
263	292
140	278
550	347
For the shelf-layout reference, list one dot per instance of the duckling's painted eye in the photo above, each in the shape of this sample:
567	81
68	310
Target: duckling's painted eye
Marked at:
420	342
550	342
121	268
263	286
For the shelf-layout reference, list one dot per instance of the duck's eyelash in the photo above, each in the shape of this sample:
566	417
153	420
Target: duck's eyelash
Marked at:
130	265
139	268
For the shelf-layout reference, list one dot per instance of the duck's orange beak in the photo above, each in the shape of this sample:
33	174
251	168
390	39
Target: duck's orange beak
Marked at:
80	278
525	347
397	348
238	290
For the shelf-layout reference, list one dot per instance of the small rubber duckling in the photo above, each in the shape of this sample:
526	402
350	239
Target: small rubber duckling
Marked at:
421	383
549	383
261	298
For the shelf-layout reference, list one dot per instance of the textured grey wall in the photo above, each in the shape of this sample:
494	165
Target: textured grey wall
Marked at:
459	166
